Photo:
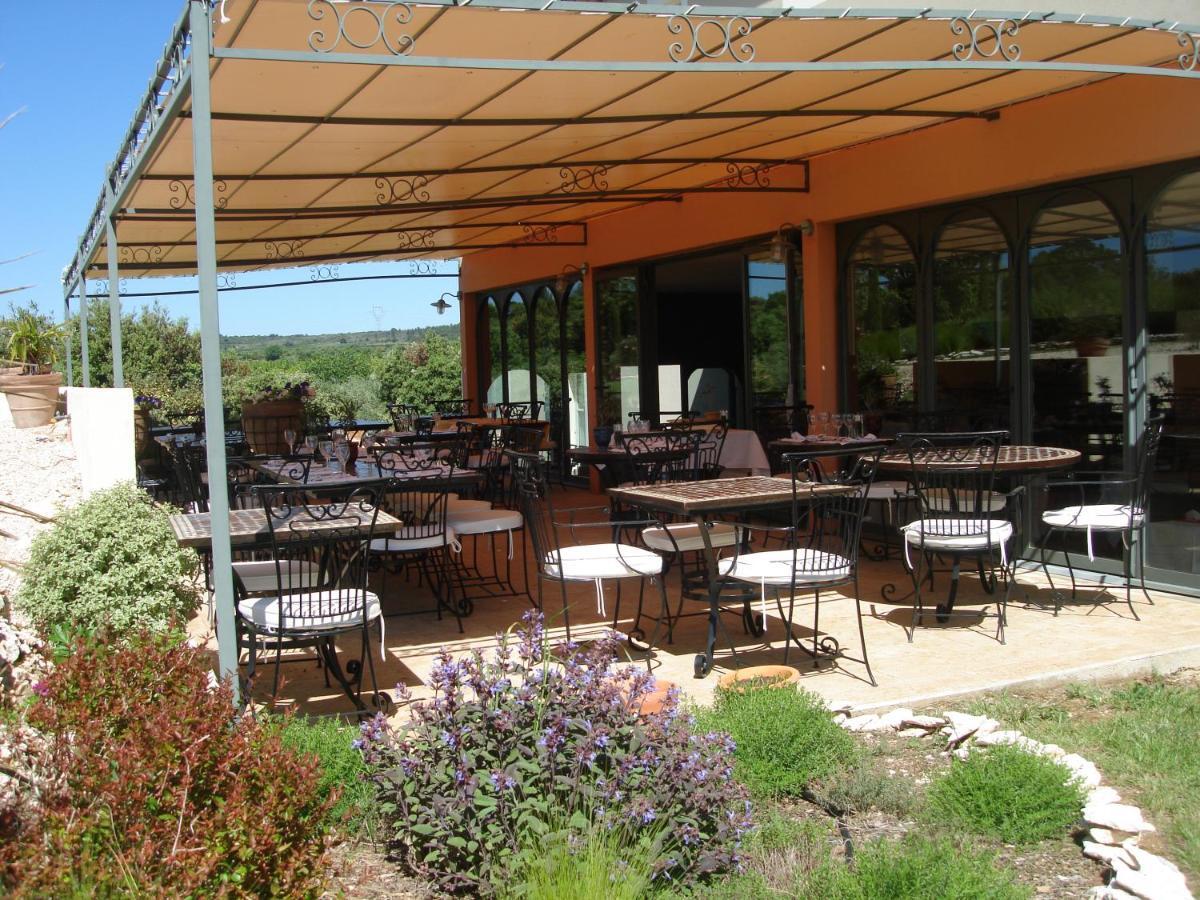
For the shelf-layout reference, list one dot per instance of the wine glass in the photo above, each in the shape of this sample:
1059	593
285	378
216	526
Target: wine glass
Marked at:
289	438
342	450
822	424
838	421
326	448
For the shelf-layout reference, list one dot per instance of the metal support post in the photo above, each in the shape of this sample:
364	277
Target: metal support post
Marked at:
67	338
114	305
84	361
210	339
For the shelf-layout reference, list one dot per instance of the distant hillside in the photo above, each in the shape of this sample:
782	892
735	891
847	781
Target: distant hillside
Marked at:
290	344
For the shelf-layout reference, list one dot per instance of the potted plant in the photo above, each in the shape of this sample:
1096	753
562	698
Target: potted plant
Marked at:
608	413
144	406
271	412
33	342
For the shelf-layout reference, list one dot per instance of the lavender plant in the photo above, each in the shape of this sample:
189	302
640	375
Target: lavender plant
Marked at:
526	747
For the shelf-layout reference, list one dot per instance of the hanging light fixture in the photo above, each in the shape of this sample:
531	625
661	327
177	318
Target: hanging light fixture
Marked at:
568	274
440	303
785	240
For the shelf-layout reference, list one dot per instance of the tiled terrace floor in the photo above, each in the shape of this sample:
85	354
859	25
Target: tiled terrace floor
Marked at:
1086	640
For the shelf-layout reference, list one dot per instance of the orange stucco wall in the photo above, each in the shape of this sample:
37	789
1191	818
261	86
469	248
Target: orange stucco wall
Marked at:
1117	124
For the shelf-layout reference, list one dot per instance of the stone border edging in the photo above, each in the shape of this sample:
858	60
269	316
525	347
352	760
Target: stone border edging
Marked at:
1114	828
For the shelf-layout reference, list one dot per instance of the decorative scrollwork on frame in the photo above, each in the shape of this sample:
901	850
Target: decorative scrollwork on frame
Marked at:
422	267
1189	59
398	190
226	280
541	234
185	194
743	175
724	34
323	273
362	25
583	179
283	249
415	240
141	255
985	33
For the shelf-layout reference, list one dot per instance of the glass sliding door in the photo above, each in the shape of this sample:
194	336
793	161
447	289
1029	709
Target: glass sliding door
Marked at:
516	345
1172	247
575	364
971	294
769	350
617	316
492	373
547	357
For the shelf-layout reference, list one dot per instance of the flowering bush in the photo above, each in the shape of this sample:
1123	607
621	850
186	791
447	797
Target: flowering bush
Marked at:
158	790
301	390
147	403
511	747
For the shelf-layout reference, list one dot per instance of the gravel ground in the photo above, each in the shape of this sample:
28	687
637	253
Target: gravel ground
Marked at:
38	472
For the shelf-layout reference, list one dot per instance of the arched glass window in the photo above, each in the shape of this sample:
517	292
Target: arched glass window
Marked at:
492	368
547	358
1076	368
883	276
575	355
1173	367
516	345
971	289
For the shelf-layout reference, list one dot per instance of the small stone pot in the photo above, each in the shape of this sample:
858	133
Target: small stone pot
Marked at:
760	676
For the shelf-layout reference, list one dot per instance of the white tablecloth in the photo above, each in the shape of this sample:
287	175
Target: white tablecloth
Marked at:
743	450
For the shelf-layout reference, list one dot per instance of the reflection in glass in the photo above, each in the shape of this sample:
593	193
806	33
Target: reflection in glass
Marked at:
546	356
971	287
617	317
493	372
769	357
1075	266
883	278
575	353
1173	373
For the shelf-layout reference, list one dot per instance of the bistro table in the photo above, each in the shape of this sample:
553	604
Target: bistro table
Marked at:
325	476
614	464
249	526
699	501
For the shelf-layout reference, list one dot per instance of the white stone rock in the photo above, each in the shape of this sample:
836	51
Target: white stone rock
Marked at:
963	726
961	752
1106	853
894	719
839	706
1108	892
1116	817
993	738
868	722
930	723
1104	836
1150	876
1083	771
912	733
1102	795
1052	750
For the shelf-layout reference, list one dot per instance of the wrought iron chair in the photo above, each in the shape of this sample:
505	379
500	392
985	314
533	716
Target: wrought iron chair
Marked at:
403	415
708	451
593	562
524	409
960	514
419	481
319	550
452	408
1109	503
821	548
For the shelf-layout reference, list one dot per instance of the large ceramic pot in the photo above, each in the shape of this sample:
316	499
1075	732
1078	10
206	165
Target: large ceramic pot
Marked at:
265	422
602	435
31	398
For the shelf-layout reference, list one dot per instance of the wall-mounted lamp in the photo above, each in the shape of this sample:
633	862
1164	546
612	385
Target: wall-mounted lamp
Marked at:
440	303
568	274
785	239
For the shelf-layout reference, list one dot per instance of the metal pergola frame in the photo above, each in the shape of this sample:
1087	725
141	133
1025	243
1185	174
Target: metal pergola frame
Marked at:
718	36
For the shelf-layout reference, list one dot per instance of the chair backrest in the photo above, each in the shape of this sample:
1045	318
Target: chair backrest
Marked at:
523	409
320	551
524	440
419	477
535	504
829	525
452	408
656	456
1147	454
423	425
190	462
402	415
953	476
708	451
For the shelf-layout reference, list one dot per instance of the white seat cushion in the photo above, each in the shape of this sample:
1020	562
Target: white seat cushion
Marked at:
424	537
259	576
687	536
1098	517
776	566
483	521
939	499
455	504
886	490
587	562
958	534
311	612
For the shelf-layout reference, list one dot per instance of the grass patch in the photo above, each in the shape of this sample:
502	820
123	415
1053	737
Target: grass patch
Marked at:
862	786
1006	793
342	770
785	738
602	864
1142	735
914	868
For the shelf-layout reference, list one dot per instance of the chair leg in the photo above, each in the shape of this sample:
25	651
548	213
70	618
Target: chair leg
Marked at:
278	664
916	616
1054	592
1127	564
566	608
1141	544
862	635
816	637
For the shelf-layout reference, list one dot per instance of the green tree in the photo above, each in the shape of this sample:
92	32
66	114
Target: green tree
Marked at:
422	371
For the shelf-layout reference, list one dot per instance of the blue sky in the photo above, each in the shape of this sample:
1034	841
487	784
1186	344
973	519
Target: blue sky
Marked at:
78	68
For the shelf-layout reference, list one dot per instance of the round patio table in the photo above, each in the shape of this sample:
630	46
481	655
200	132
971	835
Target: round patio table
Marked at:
1010	459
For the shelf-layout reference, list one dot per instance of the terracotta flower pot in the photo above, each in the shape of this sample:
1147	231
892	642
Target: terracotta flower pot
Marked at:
31	398
759	676
264	424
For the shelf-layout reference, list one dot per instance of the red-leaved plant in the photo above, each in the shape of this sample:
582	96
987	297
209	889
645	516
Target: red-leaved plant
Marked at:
162	790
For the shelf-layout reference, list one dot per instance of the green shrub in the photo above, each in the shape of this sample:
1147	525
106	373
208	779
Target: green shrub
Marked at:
1007	793
612	864
158	790
343	771
785	738
915	868
110	563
